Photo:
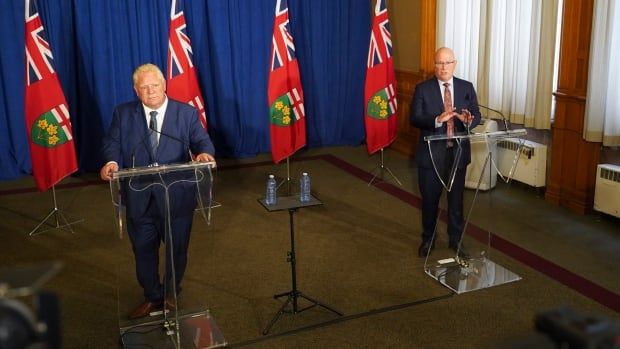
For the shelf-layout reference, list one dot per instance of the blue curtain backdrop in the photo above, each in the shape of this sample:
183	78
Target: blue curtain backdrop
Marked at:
97	44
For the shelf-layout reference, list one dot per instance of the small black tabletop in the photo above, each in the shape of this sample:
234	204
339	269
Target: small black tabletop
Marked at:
290	203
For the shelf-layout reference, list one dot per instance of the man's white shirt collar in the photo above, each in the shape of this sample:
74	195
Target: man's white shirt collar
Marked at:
161	112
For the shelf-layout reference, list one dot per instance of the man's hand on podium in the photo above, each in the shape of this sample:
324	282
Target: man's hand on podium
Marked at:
205	157
107	170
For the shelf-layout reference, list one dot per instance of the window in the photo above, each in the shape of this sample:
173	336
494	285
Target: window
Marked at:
507	49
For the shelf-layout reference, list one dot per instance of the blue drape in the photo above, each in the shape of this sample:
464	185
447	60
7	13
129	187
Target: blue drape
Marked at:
97	44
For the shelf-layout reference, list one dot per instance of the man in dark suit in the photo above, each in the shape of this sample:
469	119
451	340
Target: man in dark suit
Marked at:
130	142
443	105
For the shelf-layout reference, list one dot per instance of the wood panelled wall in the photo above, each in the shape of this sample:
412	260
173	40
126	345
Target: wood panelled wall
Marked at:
573	160
407	138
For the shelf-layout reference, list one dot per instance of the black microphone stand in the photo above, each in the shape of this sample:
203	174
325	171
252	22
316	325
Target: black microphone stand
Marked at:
505	121
201	206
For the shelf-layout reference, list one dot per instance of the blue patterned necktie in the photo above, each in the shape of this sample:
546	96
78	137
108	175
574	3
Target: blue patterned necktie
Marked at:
153	128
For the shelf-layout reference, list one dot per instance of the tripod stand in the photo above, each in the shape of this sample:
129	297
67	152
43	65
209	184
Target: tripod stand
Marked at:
57	216
378	172
292	204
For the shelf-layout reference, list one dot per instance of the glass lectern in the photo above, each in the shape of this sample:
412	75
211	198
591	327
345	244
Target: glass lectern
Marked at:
188	322
469	268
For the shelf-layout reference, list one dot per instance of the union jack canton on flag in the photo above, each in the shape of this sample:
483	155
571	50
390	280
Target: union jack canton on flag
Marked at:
181	74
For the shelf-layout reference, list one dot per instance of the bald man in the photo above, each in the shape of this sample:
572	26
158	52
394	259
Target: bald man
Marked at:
443	105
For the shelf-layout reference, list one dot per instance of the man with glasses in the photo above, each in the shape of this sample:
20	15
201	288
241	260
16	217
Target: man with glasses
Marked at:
443	105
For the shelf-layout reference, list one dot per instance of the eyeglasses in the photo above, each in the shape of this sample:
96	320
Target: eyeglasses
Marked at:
443	63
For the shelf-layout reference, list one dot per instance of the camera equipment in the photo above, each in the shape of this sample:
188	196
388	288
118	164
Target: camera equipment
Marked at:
23	326
573	330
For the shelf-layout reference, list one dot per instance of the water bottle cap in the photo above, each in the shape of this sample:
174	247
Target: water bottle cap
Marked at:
271	176
304	174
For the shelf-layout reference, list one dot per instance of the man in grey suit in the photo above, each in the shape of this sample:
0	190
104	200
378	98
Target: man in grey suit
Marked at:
442	105
155	130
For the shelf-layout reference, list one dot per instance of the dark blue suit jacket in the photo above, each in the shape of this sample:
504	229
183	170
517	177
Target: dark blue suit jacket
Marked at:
127	143
427	104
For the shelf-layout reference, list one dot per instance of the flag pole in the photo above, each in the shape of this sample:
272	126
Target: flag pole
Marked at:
381	169
288	177
58	217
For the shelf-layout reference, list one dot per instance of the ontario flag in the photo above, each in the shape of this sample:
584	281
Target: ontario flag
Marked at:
47	118
380	87
181	76
285	95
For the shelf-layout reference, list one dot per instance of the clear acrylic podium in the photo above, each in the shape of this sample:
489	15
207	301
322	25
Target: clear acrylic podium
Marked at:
469	268
189	323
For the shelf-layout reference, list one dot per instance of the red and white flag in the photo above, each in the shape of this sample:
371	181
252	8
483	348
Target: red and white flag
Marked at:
52	148
380	88
181	76
285	94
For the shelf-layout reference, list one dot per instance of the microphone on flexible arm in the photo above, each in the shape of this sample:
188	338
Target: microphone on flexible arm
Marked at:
467	123
498	112
135	148
185	144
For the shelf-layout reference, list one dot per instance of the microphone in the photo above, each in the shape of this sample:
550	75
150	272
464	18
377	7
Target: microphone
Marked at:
135	148
185	144
467	124
498	112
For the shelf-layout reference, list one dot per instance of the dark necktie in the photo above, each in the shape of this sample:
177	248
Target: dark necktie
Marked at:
153	128
447	104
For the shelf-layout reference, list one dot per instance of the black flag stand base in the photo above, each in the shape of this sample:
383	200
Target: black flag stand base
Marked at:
379	171
288	178
54	220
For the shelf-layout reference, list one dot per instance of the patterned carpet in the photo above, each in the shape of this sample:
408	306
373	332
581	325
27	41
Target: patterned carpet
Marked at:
355	253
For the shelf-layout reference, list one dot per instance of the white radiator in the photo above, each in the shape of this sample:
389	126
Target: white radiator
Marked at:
607	190
531	164
479	153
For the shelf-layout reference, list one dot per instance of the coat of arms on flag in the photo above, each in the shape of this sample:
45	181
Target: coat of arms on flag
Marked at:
181	76
382	105
287	109
285	94
52	128
380	86
47	117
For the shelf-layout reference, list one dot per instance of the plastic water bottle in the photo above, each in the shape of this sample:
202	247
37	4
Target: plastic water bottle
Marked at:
304	188
271	197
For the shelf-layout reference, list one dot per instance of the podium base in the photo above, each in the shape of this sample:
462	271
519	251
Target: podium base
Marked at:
469	275
195	330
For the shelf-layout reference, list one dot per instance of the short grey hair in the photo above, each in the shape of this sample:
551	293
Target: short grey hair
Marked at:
147	68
